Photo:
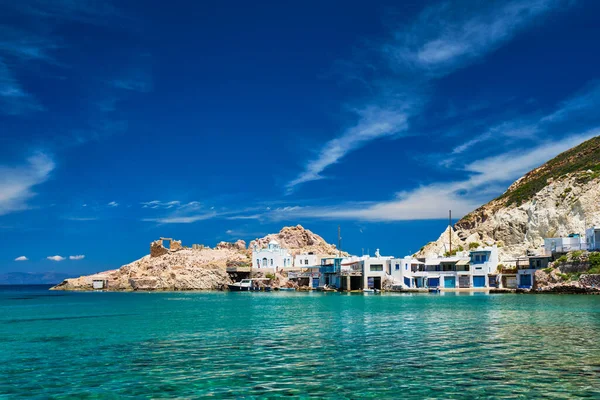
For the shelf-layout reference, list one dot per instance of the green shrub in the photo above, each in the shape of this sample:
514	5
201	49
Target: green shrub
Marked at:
473	245
270	276
562	259
548	270
576	254
594	260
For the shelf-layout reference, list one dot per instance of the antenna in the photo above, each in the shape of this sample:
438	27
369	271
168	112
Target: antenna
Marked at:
339	242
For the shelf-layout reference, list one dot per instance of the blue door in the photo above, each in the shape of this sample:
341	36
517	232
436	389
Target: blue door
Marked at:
479	281
407	282
433	282
525	281
449	282
315	283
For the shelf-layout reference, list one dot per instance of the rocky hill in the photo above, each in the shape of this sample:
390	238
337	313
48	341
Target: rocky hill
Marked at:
560	197
200	268
297	240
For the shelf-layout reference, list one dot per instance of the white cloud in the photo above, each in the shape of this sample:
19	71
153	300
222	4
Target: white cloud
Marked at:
113	204
141	84
443	38
373	123
161	204
82	219
577	109
22	258
77	257
487	178
55	258
17	182
463	33
182	219
14	100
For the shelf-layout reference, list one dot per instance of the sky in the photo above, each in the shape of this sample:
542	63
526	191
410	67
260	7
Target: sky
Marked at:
121	122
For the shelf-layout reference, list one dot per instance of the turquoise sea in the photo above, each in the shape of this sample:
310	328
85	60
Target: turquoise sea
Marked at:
266	345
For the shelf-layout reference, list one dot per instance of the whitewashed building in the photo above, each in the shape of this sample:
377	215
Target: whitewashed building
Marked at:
273	257
306	260
467	269
593	238
376	270
564	244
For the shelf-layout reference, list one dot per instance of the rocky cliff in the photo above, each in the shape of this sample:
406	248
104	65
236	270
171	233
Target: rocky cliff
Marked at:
200	268
558	198
298	240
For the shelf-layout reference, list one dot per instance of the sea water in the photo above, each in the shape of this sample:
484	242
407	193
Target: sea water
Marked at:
319	345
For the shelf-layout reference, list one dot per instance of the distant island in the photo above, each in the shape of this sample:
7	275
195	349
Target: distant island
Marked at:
32	278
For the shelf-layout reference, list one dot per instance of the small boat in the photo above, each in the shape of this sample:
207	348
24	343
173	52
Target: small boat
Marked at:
434	290
369	290
287	289
249	285
245	285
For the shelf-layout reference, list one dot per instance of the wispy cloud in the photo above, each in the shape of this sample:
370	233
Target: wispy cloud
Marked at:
113	204
416	55
22	258
373	123
486	179
186	213
17	182
182	219
140	84
578	110
156	204
77	257
14	100
55	258
461	34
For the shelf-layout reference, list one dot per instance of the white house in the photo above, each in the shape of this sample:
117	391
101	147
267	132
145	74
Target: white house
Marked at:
593	238
273	257
463	270
306	260
564	244
375	270
402	270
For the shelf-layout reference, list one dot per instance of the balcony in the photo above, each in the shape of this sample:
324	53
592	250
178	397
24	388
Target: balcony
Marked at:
329	269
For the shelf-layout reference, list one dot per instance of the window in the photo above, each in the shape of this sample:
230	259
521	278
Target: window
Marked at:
397	267
406	267
258	262
271	262
376	268
306	261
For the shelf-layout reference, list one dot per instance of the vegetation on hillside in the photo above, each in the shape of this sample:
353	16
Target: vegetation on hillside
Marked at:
580	159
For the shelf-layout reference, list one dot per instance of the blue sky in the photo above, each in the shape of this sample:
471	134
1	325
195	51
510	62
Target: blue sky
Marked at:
207	121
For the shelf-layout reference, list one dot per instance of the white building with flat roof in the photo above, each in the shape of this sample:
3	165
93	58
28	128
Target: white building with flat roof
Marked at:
592	236
466	269
273	257
306	260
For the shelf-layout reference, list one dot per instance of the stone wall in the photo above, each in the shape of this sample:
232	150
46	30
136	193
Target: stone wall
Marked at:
590	280
157	249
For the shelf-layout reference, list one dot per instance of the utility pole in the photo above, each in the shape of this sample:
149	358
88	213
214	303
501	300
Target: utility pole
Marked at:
339	242
450	229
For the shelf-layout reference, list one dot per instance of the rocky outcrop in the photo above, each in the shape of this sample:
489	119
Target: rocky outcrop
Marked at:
198	268
239	245
554	200
297	240
185	269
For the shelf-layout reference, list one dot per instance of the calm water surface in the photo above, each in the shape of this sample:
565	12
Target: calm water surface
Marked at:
261	345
